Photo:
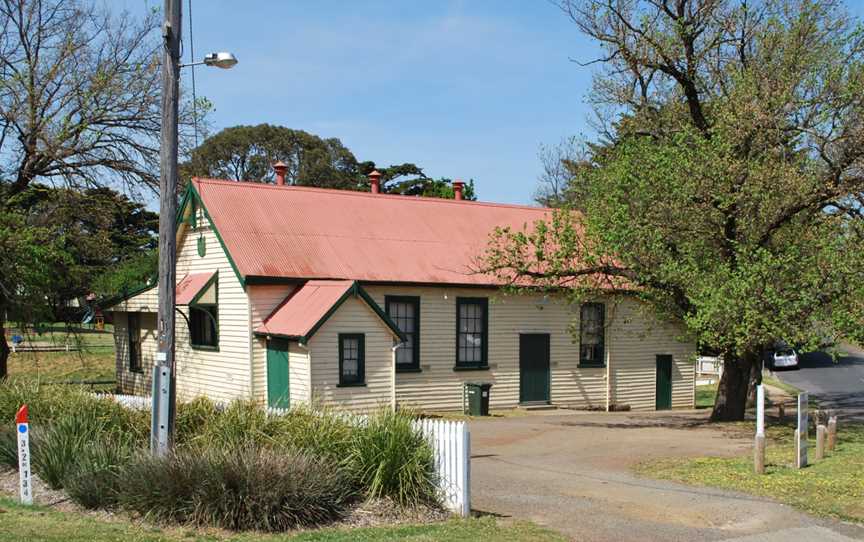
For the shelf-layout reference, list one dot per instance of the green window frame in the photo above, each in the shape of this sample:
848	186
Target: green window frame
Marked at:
204	327
133	333
405	312
592	335
472	333
352	359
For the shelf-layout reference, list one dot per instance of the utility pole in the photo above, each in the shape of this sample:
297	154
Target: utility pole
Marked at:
164	395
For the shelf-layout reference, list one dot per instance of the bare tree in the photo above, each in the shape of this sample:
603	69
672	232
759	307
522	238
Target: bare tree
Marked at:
79	95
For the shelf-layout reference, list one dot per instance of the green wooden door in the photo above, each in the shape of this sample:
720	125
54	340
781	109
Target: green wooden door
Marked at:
534	368
664	382
277	373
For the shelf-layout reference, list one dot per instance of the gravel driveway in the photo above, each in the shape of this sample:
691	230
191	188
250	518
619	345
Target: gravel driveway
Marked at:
570	471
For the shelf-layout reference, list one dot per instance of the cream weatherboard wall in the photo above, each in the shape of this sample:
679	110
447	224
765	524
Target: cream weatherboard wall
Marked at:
633	339
636	337
262	300
353	316
226	373
128	381
222	374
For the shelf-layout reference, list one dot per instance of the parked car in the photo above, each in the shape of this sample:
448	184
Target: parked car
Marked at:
784	357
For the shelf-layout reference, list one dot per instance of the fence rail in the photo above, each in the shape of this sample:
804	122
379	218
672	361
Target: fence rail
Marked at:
450	441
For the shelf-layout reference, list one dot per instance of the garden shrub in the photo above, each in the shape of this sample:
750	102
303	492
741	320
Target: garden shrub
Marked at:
8	448
95	478
389	458
245	488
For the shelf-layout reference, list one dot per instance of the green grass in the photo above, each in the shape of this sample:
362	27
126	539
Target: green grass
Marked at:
705	395
777	383
833	487
63	366
40	524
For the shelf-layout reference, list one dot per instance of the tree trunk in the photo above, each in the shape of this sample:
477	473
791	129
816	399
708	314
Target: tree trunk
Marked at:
734	388
4	348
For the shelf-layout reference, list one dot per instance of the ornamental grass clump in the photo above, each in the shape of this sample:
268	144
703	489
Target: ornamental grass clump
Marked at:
95	478
241	489
388	457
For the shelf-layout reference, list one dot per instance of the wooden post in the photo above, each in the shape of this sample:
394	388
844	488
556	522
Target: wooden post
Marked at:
781	412
820	442
162	438
832	433
759	455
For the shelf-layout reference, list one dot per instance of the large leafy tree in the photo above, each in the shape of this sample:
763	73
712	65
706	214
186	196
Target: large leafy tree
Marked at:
247	153
726	189
98	229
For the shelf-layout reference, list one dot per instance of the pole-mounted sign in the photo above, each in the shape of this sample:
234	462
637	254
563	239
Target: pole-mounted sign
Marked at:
23	431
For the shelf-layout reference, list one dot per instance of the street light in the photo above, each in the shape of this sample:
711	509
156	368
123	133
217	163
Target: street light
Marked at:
222	59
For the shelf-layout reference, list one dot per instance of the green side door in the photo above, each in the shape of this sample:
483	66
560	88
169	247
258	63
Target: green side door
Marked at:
277	373
534	375
664	383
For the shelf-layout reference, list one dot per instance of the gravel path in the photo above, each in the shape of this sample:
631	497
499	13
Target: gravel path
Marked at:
571	472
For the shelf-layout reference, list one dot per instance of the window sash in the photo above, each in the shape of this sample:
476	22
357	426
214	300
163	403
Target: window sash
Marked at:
472	331
133	329
204	325
592	331
352	359
405	313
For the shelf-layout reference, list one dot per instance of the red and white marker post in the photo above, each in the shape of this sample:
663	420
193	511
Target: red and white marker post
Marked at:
23	430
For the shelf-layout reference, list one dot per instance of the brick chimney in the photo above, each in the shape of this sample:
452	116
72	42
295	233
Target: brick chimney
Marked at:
457	189
375	181
280	168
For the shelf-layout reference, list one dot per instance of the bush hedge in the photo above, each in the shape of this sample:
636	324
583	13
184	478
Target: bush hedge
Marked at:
235	467
240	489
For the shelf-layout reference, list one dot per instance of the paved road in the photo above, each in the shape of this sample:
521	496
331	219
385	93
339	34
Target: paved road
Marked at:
838	385
572	473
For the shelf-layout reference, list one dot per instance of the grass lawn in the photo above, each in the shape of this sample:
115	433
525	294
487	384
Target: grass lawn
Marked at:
705	395
833	487
777	383
93	359
63	366
44	524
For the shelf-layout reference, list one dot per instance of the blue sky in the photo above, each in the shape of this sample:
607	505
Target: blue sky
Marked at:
463	88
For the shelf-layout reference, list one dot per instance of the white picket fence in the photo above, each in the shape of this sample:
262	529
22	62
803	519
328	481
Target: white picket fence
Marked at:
450	441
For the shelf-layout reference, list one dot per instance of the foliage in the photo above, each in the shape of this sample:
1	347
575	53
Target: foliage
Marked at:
831	487
86	444
96	230
239	489
95	477
29	255
8	447
725	189
84	439
247	153
388	457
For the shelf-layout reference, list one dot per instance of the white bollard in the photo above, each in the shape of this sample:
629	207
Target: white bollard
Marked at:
24	475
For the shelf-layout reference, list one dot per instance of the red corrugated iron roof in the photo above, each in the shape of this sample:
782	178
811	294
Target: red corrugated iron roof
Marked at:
309	306
190	286
314	233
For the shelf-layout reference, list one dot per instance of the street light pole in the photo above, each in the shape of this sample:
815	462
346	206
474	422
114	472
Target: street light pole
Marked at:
164	395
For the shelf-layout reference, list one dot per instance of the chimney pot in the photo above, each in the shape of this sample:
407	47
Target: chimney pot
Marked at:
457	189
280	168
375	181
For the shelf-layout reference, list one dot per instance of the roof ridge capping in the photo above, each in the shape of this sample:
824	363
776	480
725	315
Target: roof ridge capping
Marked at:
359	194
